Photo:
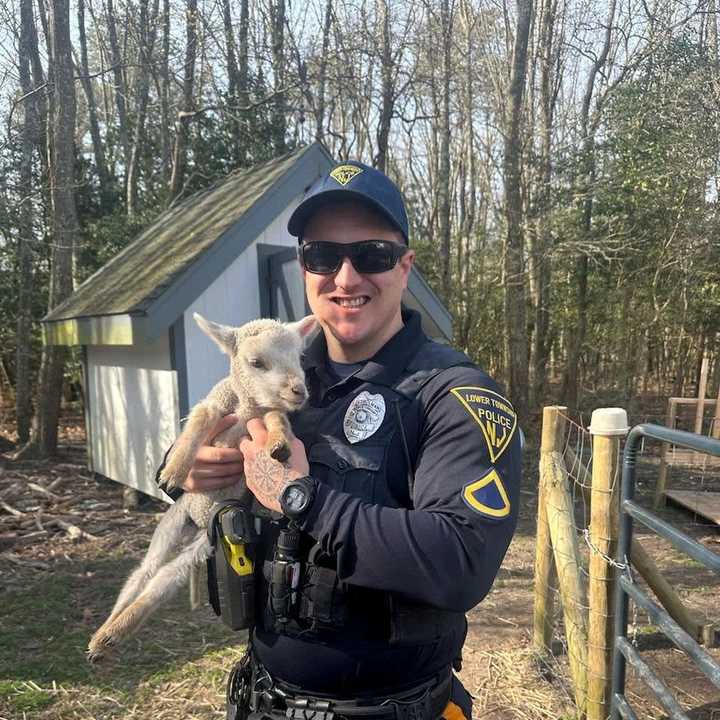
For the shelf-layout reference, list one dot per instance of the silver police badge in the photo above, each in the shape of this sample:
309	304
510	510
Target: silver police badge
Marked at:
364	416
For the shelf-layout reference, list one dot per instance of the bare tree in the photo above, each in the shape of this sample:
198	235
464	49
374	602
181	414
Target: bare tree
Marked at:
516	350
31	140
145	32
119	84
66	230
587	175
277	40
97	141
540	249
443	180
182	124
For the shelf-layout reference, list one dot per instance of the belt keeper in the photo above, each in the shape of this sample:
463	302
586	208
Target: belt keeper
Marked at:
304	709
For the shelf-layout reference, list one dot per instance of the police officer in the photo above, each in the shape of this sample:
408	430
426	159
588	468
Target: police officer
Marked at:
403	483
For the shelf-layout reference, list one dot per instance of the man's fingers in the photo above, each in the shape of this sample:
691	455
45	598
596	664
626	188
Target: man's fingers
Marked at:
214	471
245	445
215	455
195	484
223	424
257	431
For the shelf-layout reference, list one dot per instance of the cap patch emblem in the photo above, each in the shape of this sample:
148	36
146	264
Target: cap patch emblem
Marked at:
345	173
487	495
364	416
493	413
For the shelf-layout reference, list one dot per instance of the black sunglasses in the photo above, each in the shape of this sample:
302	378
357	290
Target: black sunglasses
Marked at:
366	256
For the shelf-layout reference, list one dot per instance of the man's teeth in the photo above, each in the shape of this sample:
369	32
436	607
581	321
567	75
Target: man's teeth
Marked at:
351	302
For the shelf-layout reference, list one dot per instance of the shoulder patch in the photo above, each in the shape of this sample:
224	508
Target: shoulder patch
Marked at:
345	173
487	495
493	413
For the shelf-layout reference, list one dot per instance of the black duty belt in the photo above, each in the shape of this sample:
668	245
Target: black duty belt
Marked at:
267	699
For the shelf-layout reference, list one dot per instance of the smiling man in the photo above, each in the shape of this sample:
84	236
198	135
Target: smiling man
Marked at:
401	493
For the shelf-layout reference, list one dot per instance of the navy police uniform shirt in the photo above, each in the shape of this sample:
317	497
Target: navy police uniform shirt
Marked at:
432	534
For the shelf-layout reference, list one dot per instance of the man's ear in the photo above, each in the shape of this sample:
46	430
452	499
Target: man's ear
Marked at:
223	335
304	327
406	262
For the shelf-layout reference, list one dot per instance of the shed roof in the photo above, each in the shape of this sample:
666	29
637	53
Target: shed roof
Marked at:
144	289
145	269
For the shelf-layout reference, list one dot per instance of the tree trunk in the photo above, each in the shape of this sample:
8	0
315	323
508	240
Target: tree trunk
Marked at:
233	80
180	150
540	269
322	74
516	354
61	128
120	85
243	89
165	145
279	119
444	159
387	89
577	337
97	141
146	42
30	141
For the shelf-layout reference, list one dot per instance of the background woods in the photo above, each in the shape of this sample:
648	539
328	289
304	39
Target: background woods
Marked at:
559	157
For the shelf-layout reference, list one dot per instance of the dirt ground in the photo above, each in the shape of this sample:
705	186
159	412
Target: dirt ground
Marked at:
65	555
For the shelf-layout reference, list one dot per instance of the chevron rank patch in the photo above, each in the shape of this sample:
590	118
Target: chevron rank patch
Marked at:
487	495
345	173
493	413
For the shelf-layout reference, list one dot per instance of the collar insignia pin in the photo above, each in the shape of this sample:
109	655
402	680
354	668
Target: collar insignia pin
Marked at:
363	417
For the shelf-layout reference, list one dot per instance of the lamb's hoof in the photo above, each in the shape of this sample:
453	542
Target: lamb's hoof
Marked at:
94	656
280	451
100	643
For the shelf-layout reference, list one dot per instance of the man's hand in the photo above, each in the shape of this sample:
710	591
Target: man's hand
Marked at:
266	477
215	467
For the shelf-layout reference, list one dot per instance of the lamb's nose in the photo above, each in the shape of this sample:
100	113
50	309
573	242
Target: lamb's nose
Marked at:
298	389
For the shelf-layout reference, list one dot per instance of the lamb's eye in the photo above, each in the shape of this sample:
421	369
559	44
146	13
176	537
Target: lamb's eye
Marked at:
257	363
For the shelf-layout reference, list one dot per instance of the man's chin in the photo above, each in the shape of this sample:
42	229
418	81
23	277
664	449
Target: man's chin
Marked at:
349	333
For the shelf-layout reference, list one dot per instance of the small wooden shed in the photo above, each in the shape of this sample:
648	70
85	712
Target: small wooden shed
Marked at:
224	253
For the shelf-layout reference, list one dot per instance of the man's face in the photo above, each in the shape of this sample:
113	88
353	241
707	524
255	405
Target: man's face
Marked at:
360	311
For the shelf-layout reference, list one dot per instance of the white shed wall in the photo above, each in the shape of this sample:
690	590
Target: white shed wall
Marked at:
154	355
134	419
232	299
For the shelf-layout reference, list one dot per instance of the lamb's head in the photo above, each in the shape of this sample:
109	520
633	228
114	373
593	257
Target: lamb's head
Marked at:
265	360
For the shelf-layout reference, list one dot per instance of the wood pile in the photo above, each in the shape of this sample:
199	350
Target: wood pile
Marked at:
46	502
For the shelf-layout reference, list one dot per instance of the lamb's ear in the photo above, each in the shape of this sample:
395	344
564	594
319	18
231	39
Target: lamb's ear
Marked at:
223	335
304	327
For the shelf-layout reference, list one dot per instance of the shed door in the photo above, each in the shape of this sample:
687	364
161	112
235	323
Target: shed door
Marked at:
282	294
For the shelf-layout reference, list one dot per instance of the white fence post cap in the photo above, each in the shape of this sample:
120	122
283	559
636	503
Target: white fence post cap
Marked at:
609	421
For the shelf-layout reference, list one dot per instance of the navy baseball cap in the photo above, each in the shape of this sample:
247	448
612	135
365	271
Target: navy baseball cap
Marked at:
353	181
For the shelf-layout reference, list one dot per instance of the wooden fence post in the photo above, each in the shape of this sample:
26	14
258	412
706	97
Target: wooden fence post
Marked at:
608	425
561	524
553	430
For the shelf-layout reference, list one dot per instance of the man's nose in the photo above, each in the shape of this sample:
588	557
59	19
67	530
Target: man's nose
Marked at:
347	275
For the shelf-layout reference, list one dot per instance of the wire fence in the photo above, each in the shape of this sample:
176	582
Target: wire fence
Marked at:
576	566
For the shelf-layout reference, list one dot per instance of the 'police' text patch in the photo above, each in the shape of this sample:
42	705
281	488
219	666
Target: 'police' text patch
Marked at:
493	413
487	495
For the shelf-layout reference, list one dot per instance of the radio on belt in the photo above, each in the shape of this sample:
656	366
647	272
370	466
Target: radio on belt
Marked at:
231	582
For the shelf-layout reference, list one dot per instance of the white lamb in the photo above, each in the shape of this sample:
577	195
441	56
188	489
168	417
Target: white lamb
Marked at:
266	380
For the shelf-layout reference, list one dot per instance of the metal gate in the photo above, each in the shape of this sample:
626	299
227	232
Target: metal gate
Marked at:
624	652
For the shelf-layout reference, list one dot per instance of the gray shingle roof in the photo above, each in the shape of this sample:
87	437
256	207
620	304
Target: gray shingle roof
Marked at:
138	275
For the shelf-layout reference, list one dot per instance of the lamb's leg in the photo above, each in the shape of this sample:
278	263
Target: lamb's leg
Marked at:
168	580
167	537
200	422
279	433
